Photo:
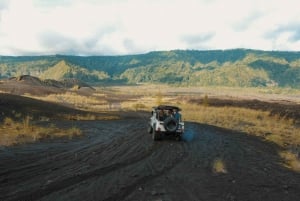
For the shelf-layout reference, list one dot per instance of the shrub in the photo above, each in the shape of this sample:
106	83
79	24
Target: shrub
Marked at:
205	100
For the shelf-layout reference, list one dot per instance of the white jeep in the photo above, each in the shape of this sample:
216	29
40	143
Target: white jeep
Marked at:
166	120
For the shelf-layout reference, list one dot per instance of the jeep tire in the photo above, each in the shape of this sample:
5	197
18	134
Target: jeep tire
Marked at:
170	124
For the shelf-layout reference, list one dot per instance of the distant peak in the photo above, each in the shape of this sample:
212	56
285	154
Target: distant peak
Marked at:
63	62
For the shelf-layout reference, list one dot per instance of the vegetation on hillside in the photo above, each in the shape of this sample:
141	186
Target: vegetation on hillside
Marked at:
238	67
25	65
64	70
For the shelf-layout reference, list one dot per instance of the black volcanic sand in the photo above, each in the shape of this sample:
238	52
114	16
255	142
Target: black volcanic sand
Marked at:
118	160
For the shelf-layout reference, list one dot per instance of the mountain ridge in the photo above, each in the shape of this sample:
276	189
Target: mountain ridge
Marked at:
235	67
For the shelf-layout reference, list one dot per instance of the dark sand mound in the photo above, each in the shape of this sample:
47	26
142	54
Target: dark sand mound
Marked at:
11	105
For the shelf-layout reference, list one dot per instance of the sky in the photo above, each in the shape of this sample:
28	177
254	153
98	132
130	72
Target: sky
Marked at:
121	27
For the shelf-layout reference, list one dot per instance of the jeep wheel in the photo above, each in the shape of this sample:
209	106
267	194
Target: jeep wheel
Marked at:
170	124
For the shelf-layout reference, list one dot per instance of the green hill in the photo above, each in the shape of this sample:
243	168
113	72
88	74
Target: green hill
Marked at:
237	67
64	70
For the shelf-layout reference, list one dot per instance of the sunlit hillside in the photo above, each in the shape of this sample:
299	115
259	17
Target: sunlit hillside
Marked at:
234	68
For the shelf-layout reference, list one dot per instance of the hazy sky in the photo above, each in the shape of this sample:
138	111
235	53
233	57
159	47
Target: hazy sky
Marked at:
117	27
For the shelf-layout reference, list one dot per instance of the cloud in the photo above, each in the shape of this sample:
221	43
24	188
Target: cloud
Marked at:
197	40
130	45
139	26
54	42
3	6
52	3
92	41
246	22
293	30
97	43
296	35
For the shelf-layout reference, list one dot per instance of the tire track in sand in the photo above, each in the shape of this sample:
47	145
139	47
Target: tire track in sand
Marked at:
131	138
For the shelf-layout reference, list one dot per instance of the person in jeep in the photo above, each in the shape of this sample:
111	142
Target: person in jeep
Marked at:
177	115
165	121
161	115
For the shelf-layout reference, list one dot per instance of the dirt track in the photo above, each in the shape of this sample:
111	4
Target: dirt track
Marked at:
117	160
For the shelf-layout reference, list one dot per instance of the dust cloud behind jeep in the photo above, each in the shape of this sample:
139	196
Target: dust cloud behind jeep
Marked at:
166	120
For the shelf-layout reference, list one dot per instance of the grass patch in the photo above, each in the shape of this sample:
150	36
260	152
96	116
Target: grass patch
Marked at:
91	117
96	101
219	167
292	160
18	132
279	130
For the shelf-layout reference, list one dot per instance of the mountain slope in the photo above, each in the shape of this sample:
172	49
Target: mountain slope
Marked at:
64	70
248	70
237	67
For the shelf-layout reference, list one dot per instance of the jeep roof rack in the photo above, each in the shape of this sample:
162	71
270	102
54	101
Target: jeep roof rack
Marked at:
167	107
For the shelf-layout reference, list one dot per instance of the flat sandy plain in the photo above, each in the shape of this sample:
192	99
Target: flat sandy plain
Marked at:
118	160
